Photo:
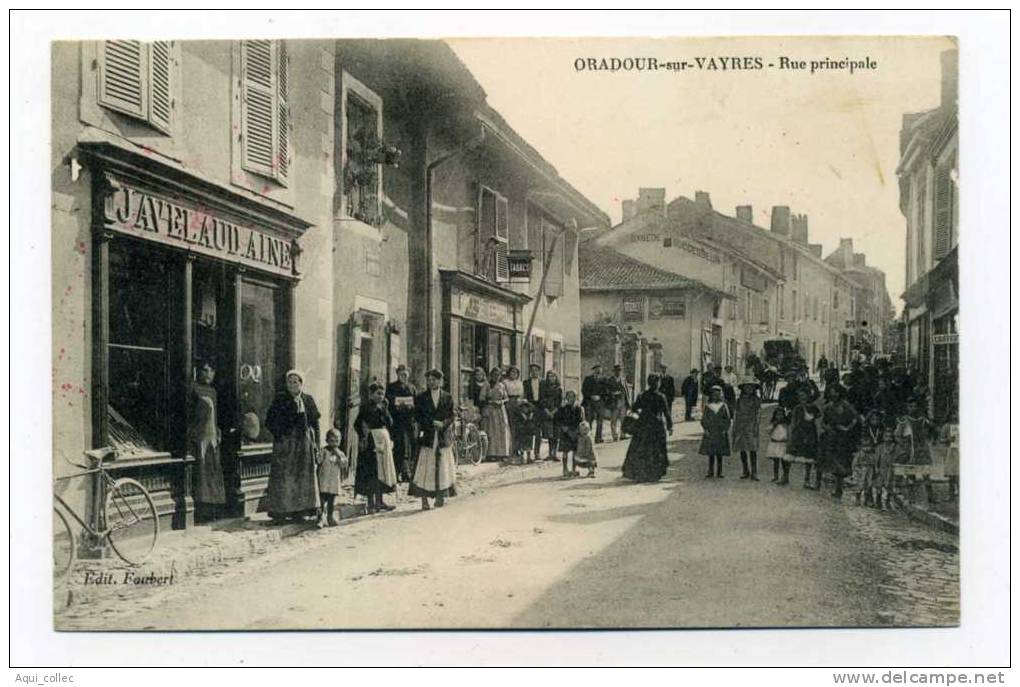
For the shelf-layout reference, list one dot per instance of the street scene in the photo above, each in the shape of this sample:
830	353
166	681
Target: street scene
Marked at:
350	335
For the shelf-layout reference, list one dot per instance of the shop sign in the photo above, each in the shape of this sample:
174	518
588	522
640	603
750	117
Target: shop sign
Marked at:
145	215
945	339
482	309
519	264
752	279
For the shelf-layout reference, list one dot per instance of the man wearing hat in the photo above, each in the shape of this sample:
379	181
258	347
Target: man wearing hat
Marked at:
667	387
618	396
593	399
400	398
689	390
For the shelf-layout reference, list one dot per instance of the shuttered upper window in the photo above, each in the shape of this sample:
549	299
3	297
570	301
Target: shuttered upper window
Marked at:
493	236
136	79
265	112
943	211
555	238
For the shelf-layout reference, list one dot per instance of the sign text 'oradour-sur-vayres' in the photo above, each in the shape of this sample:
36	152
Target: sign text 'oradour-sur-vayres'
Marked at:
144	215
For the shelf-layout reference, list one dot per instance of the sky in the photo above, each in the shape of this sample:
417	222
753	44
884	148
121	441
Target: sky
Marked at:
825	144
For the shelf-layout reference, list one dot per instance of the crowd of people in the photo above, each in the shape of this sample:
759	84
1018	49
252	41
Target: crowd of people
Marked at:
859	425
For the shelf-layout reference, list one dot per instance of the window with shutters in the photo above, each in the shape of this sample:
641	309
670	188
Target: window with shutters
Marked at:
265	110
555	239
943	211
493	236
137	79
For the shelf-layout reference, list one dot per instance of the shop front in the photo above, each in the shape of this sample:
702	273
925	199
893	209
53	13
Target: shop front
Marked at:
483	327
186	273
945	339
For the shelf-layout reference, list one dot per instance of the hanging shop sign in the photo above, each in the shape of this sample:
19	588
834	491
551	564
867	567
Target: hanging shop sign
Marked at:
519	264
143	214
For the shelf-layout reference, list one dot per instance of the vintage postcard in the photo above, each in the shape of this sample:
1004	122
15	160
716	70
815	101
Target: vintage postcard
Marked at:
505	333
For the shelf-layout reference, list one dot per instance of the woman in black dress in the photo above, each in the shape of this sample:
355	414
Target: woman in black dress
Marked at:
375	474
293	418
647	460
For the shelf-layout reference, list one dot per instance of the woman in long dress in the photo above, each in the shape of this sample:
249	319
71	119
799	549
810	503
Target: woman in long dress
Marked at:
376	473
293	418
515	393
204	444
494	418
435	471
715	439
840	435
647	460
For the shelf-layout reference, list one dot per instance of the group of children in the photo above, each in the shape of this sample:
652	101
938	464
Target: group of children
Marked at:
573	436
835	441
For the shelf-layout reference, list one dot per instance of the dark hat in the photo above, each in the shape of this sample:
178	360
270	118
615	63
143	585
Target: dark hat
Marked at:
402	368
617	367
596	366
435	373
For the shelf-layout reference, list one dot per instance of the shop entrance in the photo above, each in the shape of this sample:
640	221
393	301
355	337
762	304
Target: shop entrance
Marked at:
482	346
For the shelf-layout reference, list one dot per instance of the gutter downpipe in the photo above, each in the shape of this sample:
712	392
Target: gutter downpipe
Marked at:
430	253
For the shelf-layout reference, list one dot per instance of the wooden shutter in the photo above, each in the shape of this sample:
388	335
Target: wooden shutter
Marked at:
943	212
502	238
258	113
123	77
160	94
283	114
486	230
554	238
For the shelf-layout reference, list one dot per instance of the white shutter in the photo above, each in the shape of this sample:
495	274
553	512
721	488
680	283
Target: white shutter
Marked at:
122	81
258	106
943	211
503	238
283	114
160	93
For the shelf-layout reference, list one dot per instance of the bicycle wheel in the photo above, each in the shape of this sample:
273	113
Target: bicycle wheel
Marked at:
63	547
474	447
131	521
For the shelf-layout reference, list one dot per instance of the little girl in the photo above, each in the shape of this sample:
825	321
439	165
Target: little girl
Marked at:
866	461
776	448
715	441
332	469
527	431
566	421
584	456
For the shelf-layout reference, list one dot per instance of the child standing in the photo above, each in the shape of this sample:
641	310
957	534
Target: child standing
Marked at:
584	456
332	469
866	461
528	432
885	456
804	436
715	441
776	448
567	420
746	414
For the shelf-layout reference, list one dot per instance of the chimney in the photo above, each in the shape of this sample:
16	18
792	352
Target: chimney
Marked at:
781	220
629	209
799	229
950	78
745	213
816	248
703	199
651	200
846	250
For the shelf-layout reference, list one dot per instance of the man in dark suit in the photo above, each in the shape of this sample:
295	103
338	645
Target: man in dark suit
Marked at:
593	395
689	390
400	398
667	386
533	385
435	473
618	401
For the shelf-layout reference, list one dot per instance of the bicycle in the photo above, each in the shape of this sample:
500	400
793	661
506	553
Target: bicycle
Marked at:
128	519
470	444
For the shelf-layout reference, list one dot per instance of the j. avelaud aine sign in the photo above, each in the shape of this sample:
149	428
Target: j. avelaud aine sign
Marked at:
143	214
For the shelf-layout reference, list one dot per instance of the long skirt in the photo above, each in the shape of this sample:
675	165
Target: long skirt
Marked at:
293	488
646	459
434	475
497	427
376	473
837	453
208	474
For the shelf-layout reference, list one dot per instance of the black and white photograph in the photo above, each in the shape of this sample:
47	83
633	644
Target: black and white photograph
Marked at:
508	333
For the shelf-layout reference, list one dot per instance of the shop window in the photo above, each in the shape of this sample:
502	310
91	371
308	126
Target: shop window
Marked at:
265	110
136	79
674	307
466	364
137	352
493	236
264	351
633	309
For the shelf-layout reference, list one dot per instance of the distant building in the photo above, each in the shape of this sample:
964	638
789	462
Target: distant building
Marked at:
872	305
656	316
929	200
